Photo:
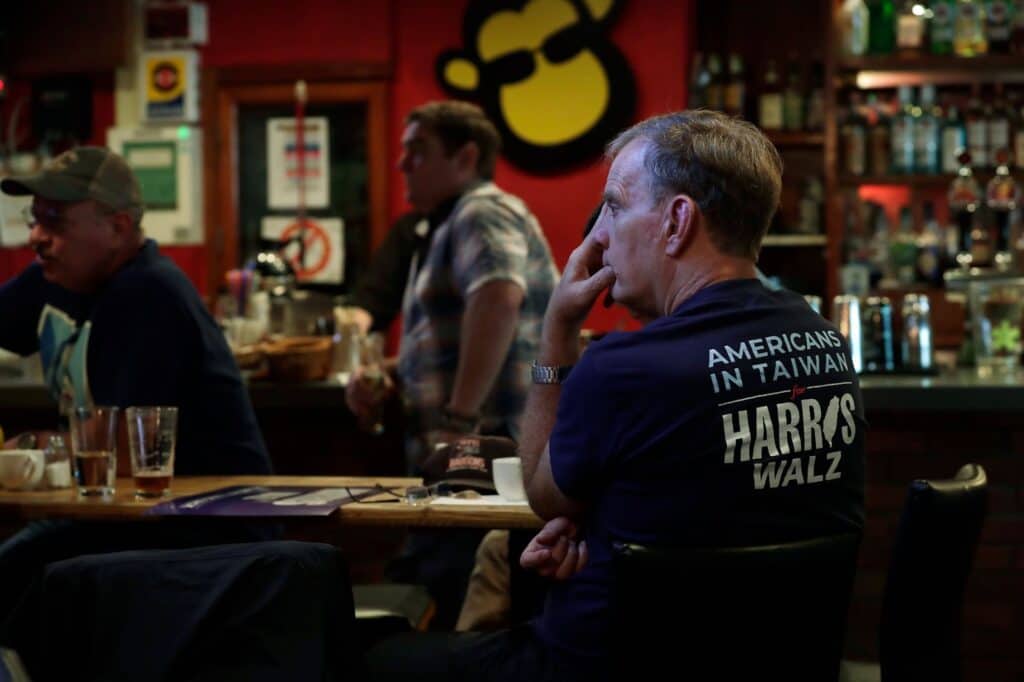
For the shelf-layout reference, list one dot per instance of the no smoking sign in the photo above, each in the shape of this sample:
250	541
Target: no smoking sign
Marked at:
324	258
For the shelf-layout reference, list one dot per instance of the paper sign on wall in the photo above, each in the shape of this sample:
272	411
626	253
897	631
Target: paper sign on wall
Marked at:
13	228
325	246
283	173
156	166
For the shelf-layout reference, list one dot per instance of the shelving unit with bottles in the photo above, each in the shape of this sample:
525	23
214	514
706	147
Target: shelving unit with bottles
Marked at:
787	101
993	84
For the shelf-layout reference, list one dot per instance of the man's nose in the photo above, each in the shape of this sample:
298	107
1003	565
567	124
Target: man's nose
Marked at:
37	235
403	161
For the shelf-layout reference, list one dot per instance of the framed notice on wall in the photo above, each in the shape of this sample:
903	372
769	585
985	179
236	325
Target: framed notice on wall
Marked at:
283	164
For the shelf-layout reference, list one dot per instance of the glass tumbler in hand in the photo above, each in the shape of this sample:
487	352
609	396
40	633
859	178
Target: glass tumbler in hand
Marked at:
374	379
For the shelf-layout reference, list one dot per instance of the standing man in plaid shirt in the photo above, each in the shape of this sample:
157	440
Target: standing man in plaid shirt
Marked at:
474	302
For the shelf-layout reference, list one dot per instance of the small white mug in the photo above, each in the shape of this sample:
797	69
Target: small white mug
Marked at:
21	469
508	478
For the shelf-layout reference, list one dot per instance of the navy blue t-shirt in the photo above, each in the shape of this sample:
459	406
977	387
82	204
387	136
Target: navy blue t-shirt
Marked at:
735	420
145	338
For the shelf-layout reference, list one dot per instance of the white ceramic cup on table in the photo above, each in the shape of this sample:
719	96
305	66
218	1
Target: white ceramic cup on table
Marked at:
21	469
508	478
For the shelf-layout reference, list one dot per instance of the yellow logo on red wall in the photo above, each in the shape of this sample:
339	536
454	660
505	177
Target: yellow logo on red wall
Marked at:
546	73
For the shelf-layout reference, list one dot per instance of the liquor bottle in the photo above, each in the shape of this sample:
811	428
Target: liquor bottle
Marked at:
793	98
853	28
954	139
852	136
998	122
809	207
930	248
878	247
964	201
769	105
998	25
1018	140
902	141
714	94
969	29
879	138
734	95
942	26
926	133
977	129
1002	196
1017	32
815	118
910	28
903	249
700	77
881	27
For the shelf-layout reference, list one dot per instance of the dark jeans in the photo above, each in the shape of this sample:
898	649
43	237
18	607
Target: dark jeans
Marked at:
513	655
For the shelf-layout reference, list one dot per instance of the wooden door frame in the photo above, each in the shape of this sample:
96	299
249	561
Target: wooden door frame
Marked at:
225	89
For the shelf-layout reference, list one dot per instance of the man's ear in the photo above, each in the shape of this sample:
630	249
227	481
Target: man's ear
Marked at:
123	224
467	157
680	224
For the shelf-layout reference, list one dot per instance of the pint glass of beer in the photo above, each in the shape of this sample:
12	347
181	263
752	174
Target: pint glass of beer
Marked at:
94	445
152	433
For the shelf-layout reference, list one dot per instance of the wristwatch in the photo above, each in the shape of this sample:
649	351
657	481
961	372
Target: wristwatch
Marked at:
549	374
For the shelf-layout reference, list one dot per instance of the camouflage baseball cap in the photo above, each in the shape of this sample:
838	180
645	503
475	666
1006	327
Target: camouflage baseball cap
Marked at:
82	173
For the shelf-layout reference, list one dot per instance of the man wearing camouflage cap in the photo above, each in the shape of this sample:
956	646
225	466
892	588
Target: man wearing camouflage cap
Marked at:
117	323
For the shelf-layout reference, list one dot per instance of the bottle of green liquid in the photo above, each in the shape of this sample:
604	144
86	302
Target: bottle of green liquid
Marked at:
943	12
881	27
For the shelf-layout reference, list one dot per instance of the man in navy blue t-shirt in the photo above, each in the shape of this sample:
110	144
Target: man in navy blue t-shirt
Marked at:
115	322
733	417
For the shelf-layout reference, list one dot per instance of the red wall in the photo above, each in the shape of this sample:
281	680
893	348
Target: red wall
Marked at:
655	36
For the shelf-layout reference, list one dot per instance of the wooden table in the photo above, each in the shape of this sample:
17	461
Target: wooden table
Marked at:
68	504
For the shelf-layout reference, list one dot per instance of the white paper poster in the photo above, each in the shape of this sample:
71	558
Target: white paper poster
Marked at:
283	163
13	228
325	246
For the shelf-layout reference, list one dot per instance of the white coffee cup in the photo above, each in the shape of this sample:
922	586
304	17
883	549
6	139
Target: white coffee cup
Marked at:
21	469
508	478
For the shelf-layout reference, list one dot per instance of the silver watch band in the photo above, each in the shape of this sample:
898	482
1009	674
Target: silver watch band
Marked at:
549	374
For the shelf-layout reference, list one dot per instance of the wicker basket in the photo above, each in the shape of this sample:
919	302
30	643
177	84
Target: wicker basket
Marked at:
249	357
306	358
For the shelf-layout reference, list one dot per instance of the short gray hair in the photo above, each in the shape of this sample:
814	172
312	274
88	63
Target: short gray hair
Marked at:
727	166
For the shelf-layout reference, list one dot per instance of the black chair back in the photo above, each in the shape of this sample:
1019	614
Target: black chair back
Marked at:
931	560
774	612
257	611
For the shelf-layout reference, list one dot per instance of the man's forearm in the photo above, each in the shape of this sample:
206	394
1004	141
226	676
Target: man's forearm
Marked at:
559	346
489	325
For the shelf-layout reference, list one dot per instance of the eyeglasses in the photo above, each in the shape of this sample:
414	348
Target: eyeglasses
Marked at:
50	218
519	65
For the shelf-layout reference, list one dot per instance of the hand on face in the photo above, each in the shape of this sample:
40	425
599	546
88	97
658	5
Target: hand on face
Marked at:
585	277
554	552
